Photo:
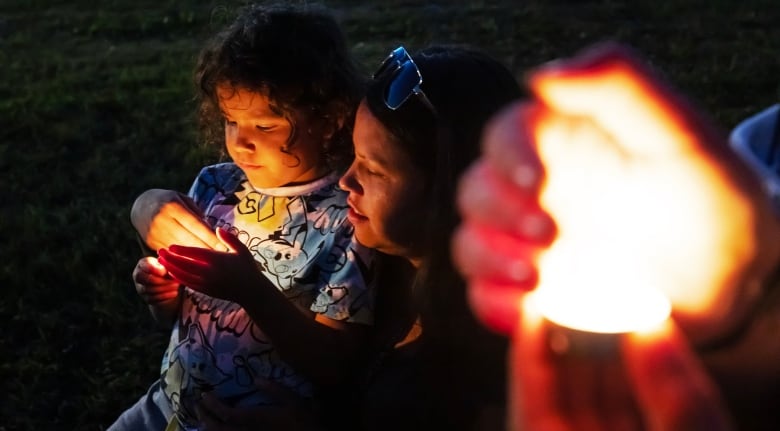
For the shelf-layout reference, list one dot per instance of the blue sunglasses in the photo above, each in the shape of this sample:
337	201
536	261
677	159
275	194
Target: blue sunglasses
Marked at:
757	140
406	79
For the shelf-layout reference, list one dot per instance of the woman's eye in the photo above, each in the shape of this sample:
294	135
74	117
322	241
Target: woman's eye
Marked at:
230	123
372	172
264	128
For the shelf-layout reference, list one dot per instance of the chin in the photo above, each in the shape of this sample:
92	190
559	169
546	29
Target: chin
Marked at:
380	244
365	240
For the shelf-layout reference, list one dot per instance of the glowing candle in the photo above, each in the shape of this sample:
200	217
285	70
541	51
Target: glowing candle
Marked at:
639	227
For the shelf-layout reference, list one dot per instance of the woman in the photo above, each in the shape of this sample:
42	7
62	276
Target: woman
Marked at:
415	132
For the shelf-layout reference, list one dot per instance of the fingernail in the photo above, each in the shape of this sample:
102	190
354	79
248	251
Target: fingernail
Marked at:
519	270
524	176
534	226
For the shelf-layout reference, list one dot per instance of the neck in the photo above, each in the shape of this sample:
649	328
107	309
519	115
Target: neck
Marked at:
312	174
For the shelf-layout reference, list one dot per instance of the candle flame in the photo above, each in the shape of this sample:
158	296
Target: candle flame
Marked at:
632	195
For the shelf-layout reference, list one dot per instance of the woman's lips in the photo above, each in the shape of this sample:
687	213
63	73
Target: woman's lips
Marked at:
354	215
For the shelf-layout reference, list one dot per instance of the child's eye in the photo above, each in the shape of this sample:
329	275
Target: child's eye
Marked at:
264	128
229	123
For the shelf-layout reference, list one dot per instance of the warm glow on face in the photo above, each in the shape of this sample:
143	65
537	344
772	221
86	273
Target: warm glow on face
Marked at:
632	195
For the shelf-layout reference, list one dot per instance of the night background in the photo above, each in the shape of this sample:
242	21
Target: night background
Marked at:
96	106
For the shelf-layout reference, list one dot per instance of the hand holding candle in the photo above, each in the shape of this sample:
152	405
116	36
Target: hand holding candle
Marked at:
609	177
644	194
660	385
166	217
152	283
223	275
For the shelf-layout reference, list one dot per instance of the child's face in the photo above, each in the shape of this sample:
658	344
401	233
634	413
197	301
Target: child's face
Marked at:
257	137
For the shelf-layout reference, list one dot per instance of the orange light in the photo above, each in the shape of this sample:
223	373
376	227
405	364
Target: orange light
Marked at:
612	150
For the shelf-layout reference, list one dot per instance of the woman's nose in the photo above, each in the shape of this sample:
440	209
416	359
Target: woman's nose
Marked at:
348	182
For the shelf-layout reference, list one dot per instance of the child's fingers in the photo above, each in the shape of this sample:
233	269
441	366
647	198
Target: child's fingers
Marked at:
186	225
151	266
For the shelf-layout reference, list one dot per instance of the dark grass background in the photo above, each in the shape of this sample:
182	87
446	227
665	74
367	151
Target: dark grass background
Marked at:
95	107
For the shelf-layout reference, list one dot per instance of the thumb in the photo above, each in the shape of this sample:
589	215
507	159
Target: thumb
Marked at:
231	241
153	266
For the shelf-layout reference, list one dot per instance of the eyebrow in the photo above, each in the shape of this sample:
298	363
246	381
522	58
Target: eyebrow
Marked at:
381	162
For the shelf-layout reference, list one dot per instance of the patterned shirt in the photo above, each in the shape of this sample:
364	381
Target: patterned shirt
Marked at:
302	242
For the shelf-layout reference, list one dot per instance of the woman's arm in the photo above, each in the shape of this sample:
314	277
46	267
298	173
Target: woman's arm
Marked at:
320	347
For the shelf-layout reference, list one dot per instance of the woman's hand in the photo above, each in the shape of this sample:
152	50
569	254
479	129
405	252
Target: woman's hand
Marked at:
219	274
289	412
504	229
166	217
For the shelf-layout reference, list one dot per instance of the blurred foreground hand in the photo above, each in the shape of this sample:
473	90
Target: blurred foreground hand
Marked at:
608	176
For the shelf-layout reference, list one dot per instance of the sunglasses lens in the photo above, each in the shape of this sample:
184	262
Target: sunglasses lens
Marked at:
402	86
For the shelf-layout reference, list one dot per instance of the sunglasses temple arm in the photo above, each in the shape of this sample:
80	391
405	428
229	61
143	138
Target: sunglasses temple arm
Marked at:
424	99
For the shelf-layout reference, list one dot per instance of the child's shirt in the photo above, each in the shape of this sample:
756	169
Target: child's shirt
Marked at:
303	243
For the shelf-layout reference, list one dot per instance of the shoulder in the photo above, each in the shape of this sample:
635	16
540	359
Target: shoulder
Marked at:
221	175
218	179
224	171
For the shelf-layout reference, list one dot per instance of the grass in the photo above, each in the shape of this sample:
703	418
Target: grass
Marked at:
95	107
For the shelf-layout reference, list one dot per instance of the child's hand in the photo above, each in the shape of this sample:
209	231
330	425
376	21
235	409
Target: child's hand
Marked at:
219	274
166	217
152	283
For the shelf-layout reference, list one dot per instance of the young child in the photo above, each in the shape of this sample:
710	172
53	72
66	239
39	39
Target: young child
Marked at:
289	301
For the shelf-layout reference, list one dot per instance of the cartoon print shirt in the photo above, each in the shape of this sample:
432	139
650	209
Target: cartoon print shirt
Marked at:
303	243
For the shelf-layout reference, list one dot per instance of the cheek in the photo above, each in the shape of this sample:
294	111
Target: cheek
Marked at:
404	211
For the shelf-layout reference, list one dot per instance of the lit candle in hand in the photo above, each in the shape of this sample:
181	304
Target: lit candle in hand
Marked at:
645	216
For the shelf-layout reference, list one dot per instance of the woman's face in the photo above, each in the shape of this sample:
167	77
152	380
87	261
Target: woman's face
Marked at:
386	191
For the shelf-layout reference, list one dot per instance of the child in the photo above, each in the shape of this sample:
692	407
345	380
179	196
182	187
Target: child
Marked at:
281	83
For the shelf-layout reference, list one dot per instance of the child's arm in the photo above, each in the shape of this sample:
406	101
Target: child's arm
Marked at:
321	348
158	290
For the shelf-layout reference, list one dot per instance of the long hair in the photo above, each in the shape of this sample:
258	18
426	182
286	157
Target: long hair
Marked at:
466	88
298	56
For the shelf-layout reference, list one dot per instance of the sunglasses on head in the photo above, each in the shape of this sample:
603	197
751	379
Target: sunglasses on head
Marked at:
405	79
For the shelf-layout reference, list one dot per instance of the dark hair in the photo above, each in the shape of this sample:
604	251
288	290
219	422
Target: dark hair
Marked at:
466	87
298	56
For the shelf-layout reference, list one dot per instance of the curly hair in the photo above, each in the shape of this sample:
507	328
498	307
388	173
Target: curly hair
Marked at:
298	56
